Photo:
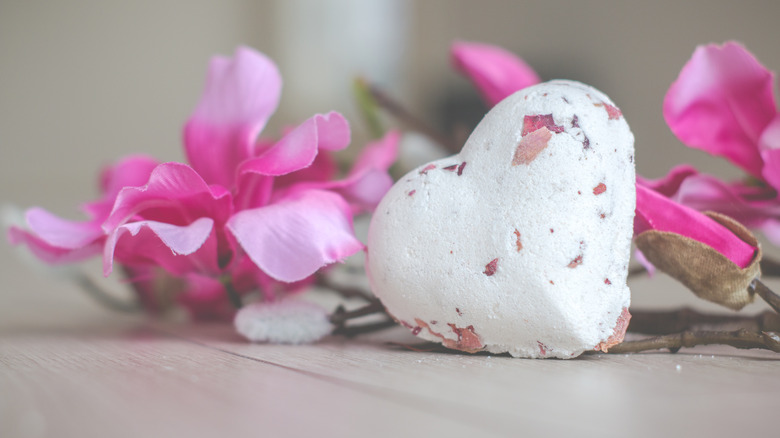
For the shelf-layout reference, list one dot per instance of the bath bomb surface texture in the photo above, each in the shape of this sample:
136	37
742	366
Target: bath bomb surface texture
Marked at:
521	242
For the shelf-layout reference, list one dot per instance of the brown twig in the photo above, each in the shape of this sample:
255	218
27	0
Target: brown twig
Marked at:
675	321
344	291
340	316
766	294
350	331
399	112
738	338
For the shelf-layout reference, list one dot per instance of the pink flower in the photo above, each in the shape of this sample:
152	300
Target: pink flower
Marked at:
495	72
498	74
722	103
264	214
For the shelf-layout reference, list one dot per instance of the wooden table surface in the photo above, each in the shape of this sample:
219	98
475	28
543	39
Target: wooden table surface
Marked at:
71	369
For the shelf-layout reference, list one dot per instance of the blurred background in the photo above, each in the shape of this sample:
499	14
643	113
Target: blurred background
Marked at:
83	83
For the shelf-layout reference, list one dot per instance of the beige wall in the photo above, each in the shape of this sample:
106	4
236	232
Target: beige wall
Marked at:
83	83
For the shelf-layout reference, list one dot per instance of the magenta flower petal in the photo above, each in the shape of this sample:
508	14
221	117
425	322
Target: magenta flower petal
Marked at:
333	133
753	206
379	154
62	233
52	254
131	171
657	212
298	148
769	144
669	184
175	194
495	72
721	103
368	180
140	242
293	238
240	95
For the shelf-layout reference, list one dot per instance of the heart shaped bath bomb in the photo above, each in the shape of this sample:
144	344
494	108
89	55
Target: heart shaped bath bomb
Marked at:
521	242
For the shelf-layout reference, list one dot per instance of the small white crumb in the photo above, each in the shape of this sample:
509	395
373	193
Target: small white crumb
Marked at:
679	368
288	321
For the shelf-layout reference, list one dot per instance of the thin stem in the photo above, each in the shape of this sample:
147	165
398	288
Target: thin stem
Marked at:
344	291
399	112
101	296
766	294
231	292
368	107
355	330
675	321
340	316
738	338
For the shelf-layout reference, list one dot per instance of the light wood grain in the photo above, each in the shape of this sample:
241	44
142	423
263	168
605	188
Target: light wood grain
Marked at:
71	369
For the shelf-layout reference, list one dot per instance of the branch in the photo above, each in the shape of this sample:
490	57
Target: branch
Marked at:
340	316
739	338
766	294
399	112
92	289
344	291
350	331
675	321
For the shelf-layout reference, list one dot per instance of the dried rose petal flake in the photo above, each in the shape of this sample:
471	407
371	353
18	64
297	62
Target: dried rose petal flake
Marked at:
491	267
618	333
613	112
427	168
599	189
531	146
536	122
576	262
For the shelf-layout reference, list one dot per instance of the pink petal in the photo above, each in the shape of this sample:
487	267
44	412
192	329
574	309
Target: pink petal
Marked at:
62	233
140	242
769	144
298	148
379	154
367	182
240	95
254	190
721	103
657	212
293	238
324	168
363	191
205	298
132	171
649	267
495	72
669	184
752	206
52	254
175	194
771	230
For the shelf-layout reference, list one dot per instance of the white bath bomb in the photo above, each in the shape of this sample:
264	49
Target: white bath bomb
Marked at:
521	242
